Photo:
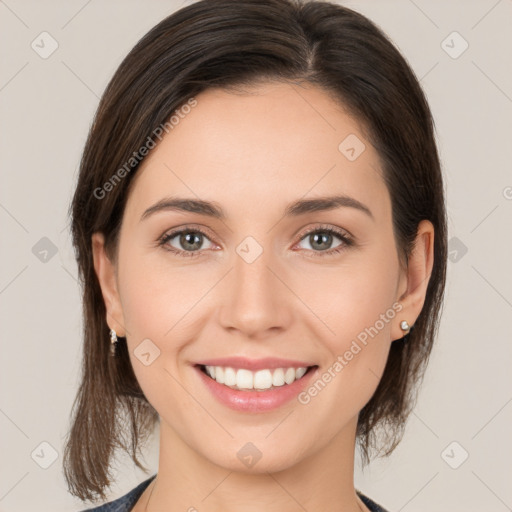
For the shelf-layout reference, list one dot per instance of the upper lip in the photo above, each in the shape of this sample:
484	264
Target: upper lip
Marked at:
254	364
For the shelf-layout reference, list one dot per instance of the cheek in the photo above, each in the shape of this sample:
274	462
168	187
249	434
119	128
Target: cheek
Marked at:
153	303
147	317
160	304
157	297
353	297
357	304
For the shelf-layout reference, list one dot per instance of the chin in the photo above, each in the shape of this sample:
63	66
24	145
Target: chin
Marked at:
256	457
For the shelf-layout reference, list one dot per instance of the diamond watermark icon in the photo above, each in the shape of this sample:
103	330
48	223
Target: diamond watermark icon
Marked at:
44	250
146	352
249	455
44	455
249	249
454	455
44	45
456	249
454	45
351	147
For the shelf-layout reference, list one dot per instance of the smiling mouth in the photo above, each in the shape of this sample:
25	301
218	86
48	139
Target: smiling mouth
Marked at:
261	380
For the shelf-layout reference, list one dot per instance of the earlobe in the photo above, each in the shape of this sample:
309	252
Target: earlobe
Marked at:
106	273
419	270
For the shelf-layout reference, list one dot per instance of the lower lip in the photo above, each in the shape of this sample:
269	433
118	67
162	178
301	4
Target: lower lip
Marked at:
256	401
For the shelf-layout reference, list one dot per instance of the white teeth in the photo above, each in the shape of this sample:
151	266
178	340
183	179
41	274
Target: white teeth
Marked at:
217	373
210	370
263	379
259	380
229	376
278	377
300	372
289	375
244	379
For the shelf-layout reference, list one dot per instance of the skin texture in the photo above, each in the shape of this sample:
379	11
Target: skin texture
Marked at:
253	153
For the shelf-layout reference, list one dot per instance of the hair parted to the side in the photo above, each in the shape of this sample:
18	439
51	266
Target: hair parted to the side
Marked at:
225	43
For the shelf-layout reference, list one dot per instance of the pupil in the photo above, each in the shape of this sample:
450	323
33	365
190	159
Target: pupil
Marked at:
185	240
324	237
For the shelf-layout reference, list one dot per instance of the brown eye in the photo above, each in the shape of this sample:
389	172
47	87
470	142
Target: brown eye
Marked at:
321	241
185	242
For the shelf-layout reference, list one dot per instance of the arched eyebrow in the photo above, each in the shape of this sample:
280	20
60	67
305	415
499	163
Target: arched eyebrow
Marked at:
319	204
295	209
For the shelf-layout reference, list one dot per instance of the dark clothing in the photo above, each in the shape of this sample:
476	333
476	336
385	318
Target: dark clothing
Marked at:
126	502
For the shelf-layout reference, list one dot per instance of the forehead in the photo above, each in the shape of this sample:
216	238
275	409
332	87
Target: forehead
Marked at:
261	148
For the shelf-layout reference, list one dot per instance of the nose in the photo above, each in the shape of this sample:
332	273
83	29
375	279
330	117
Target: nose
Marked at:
258	303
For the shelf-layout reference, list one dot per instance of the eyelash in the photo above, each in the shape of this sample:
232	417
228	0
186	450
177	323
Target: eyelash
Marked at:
343	236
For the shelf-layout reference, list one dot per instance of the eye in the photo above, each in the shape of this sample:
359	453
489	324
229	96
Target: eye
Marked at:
189	241
320	240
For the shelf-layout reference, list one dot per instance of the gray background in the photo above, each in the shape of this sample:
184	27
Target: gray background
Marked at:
47	105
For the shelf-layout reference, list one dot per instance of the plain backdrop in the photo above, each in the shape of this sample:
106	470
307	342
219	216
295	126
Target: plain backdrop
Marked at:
457	447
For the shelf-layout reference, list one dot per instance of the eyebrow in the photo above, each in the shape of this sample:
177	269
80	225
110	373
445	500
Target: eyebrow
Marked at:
300	207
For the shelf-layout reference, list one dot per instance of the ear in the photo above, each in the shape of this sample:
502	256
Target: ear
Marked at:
106	272
414	280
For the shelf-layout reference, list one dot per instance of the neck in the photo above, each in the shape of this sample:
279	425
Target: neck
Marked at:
187	481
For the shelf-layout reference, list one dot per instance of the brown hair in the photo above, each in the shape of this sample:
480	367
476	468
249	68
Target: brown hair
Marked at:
223	43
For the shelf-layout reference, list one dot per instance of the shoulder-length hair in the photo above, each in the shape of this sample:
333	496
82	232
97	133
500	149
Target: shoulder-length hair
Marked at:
225	43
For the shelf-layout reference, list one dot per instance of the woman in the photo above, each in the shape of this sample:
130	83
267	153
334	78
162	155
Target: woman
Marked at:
260	230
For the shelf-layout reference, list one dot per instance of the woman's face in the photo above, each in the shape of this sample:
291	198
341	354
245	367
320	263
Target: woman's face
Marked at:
255	285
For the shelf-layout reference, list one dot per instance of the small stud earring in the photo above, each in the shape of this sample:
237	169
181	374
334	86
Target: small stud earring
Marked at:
404	325
113	342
